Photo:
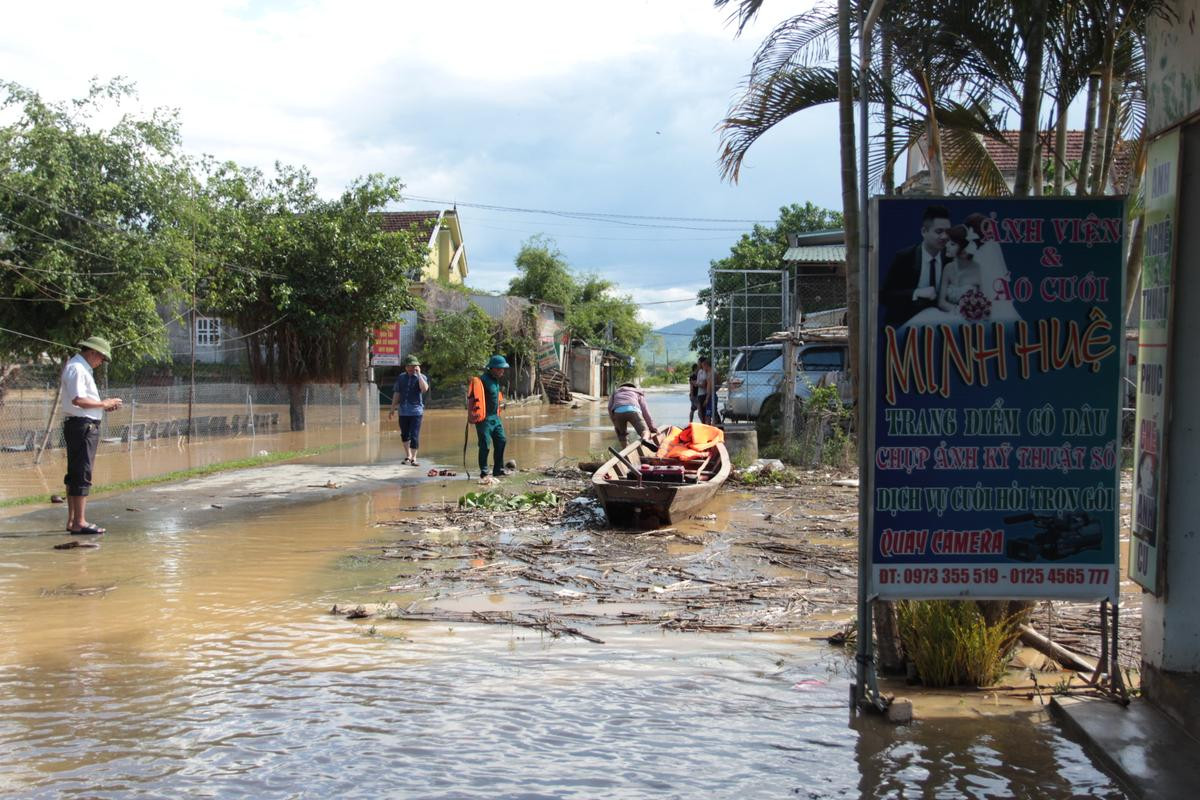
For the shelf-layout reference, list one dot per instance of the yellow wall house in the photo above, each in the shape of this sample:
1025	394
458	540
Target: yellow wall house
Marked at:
447	254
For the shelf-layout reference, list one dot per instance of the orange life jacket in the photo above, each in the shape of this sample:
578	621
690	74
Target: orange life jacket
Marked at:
477	401
689	443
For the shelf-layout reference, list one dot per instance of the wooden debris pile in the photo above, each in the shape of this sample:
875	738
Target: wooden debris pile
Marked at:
555	385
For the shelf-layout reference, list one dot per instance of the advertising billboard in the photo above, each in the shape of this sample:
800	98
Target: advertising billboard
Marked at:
995	421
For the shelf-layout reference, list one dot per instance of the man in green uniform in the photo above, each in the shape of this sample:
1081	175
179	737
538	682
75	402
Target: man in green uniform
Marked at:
491	430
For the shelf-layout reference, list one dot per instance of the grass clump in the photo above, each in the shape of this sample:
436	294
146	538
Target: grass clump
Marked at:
500	501
951	644
768	477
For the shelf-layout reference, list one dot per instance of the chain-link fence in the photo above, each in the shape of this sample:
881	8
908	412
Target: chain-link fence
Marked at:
157	412
748	307
819	299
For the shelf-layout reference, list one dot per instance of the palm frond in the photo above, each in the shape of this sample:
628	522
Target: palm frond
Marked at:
968	161
743	12
804	40
766	104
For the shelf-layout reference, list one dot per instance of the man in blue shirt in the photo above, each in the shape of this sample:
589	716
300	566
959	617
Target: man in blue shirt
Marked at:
408	395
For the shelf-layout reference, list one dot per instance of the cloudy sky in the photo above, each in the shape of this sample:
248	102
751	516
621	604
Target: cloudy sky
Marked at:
553	105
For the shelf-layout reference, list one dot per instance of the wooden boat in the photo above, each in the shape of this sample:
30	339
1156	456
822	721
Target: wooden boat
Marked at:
634	500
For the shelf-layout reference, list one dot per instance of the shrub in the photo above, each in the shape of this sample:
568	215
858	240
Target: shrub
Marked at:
456	345
952	644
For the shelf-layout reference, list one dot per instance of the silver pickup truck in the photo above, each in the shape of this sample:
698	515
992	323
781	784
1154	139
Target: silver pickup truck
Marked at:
752	392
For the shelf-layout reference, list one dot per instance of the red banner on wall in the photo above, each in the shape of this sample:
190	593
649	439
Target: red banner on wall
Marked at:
385	345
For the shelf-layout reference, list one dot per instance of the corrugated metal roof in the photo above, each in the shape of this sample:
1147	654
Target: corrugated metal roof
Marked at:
817	254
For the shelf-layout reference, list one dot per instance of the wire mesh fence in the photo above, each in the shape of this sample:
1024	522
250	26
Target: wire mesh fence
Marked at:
748	307
156	412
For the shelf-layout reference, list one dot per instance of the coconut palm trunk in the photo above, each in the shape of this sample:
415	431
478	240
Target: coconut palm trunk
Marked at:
1031	97
889	113
1106	114
850	211
1060	150
933	133
1089	135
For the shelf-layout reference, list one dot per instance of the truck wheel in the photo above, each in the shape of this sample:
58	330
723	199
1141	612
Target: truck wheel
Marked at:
770	419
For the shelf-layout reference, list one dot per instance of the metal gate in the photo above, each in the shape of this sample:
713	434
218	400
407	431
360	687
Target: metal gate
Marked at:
747	307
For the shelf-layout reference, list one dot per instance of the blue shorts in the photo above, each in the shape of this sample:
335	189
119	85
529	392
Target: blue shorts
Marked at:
410	430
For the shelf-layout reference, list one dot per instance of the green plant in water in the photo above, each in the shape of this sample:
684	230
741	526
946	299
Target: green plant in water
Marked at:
769	477
952	644
499	501
788	452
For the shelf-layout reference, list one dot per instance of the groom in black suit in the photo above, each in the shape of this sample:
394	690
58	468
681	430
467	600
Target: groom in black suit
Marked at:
912	282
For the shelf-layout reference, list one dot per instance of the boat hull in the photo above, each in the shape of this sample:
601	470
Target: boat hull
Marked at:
649	504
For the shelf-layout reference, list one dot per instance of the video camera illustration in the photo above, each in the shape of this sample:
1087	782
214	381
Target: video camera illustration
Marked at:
1058	536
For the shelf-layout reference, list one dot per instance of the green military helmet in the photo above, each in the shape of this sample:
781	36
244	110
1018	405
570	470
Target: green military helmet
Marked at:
497	362
412	361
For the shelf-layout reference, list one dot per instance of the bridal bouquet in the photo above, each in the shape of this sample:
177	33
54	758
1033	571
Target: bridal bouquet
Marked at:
974	306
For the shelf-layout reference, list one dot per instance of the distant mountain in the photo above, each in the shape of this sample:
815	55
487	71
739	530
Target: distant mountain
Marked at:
670	343
685	327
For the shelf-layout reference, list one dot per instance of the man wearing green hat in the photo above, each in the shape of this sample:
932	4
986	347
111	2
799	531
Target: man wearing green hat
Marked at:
82	411
408	395
489	429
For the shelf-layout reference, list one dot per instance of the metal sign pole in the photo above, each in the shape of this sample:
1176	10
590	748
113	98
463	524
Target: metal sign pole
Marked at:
866	688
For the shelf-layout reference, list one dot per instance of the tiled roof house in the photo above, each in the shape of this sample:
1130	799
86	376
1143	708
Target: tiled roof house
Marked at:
1004	154
442	232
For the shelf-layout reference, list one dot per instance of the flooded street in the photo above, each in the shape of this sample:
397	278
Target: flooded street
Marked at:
193	653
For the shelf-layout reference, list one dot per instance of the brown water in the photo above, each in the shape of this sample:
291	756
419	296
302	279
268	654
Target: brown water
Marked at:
199	660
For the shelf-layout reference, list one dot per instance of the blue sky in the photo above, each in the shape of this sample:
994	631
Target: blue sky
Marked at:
605	107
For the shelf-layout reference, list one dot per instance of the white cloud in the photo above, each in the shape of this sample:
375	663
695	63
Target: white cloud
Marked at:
538	103
661	307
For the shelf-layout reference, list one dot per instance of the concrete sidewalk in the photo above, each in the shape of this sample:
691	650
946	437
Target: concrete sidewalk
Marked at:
243	492
1146	751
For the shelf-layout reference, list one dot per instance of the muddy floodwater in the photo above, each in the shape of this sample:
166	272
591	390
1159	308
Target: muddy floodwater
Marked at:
193	654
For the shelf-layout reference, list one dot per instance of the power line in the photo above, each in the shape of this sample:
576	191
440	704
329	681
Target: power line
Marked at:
696	299
607	238
35	338
615	219
112	229
56	240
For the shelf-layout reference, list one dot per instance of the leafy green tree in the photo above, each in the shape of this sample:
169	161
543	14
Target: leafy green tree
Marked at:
306	278
602	318
545	274
456	345
594	313
762	248
89	241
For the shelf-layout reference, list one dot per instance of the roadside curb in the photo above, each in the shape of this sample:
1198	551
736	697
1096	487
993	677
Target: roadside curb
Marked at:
1148	753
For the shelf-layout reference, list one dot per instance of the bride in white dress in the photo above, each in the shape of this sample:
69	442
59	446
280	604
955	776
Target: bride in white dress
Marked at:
992	269
960	275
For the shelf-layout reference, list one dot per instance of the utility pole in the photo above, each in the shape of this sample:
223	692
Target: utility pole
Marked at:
366	382
789	382
191	334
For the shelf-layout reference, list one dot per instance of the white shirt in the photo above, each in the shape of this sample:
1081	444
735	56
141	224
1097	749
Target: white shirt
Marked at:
78	381
926	278
701	382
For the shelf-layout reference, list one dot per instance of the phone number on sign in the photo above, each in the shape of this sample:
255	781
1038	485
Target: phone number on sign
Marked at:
960	576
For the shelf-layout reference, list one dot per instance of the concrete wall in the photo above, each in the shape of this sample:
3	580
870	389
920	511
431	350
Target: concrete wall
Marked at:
585	370
179	340
1171	623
